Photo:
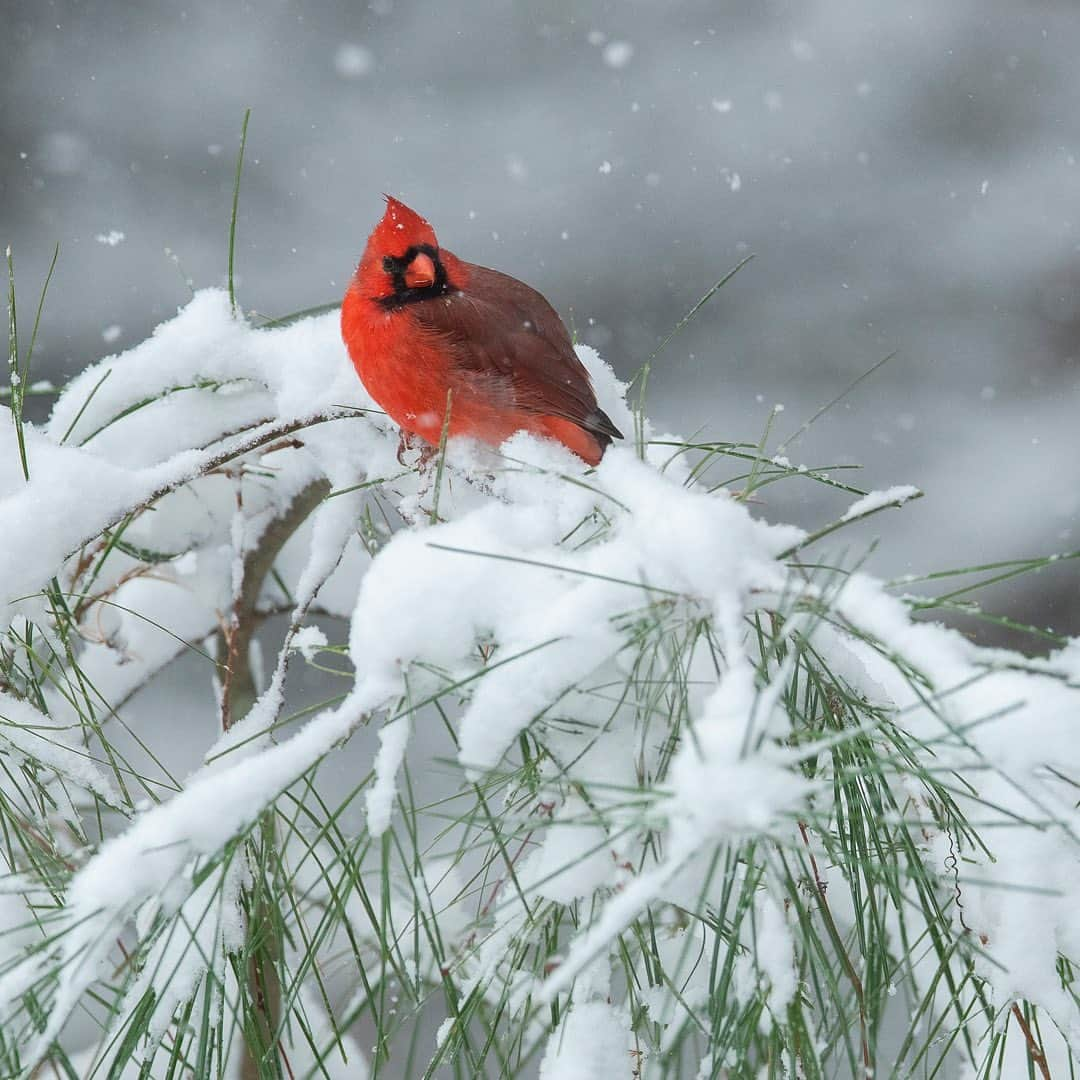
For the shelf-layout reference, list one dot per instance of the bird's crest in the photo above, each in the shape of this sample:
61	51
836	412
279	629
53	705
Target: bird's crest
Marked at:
401	228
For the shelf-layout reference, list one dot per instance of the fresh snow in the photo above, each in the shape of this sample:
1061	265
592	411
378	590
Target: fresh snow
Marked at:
308	641
591	1043
878	500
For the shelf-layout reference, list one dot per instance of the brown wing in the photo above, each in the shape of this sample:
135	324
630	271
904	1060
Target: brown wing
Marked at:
499	326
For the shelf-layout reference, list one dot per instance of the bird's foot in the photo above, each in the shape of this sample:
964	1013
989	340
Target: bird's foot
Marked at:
426	468
406	442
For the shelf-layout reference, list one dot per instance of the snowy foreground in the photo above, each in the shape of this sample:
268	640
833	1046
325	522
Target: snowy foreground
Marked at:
718	799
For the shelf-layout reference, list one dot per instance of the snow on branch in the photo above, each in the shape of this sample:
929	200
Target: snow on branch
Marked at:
686	728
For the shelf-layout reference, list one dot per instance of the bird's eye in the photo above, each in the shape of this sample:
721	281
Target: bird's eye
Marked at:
388	263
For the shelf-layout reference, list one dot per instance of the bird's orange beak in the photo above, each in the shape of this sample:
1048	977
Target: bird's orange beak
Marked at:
420	273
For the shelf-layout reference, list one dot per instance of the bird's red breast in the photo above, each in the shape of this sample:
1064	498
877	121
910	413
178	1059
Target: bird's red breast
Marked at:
419	322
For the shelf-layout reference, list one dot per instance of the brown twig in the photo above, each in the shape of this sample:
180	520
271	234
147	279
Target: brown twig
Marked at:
820	886
1035	1052
234	639
268	1007
238	694
230	643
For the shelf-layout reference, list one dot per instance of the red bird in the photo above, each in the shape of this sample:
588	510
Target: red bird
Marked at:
419	322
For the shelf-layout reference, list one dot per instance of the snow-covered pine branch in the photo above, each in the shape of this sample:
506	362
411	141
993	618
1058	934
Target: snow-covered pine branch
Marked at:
713	805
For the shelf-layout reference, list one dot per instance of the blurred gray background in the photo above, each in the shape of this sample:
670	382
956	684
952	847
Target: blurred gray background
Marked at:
906	174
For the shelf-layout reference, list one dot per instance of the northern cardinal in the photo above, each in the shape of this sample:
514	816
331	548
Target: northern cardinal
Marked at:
419	322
